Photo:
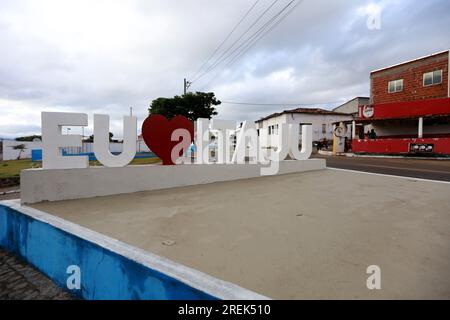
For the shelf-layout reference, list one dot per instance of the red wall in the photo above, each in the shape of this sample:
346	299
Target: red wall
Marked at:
410	109
398	146
412	75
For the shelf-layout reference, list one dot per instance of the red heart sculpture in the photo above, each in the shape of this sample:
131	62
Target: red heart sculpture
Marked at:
157	133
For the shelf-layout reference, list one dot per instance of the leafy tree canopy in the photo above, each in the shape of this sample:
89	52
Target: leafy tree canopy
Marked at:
21	148
28	138
191	105
91	138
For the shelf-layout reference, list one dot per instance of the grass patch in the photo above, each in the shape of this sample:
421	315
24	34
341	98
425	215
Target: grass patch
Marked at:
140	161
145	161
11	168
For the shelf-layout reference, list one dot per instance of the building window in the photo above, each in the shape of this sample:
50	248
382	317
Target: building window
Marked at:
324	128
395	86
431	78
272	129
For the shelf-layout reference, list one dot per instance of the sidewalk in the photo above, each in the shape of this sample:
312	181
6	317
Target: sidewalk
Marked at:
19	281
9	193
381	156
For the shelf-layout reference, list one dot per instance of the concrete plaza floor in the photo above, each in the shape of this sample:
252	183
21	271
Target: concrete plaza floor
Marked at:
297	236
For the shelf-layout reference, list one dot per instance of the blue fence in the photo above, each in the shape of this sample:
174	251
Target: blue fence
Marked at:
36	155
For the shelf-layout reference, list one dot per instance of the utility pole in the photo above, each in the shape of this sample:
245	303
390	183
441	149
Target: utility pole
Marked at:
131	111
187	84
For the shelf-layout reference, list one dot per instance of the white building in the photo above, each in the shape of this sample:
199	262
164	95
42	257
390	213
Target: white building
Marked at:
352	106
11	153
320	119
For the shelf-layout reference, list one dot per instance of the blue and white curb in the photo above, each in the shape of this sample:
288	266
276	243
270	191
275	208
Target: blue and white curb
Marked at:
110	269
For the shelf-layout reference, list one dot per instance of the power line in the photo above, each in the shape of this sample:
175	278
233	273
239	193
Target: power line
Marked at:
278	104
263	33
256	36
260	30
226	38
219	59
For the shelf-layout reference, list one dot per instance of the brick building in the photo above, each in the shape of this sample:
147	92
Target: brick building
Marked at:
406	81
409	109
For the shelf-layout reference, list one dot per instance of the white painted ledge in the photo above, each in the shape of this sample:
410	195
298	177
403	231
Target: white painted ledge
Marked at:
61	184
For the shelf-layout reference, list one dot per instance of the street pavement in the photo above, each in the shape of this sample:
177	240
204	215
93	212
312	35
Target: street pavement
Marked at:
415	168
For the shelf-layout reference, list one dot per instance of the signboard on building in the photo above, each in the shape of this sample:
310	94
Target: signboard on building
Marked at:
367	111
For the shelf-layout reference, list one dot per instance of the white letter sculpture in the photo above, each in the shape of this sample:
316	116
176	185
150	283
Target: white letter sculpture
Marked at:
101	141
224	128
247	144
53	140
202	141
306	150
182	145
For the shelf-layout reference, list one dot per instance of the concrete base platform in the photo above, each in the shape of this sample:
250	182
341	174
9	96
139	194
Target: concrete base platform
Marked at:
297	236
51	185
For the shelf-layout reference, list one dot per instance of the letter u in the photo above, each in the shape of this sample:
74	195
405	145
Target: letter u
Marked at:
101	141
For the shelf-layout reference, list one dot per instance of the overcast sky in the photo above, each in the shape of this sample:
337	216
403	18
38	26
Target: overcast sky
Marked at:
97	56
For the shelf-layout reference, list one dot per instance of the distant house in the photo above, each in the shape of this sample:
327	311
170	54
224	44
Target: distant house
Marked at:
353	105
321	120
140	144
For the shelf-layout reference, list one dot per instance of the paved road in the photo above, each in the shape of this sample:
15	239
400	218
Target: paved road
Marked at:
10	193
19	281
416	168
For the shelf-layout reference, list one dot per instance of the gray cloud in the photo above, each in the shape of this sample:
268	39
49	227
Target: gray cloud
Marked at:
105	56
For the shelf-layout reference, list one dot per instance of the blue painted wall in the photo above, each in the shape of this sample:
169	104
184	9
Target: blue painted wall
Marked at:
36	155
104	274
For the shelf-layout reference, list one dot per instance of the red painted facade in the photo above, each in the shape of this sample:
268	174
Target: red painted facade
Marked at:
399	145
415	100
418	108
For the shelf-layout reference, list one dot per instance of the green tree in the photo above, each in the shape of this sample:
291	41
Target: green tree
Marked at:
28	138
91	138
21	148
191	105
